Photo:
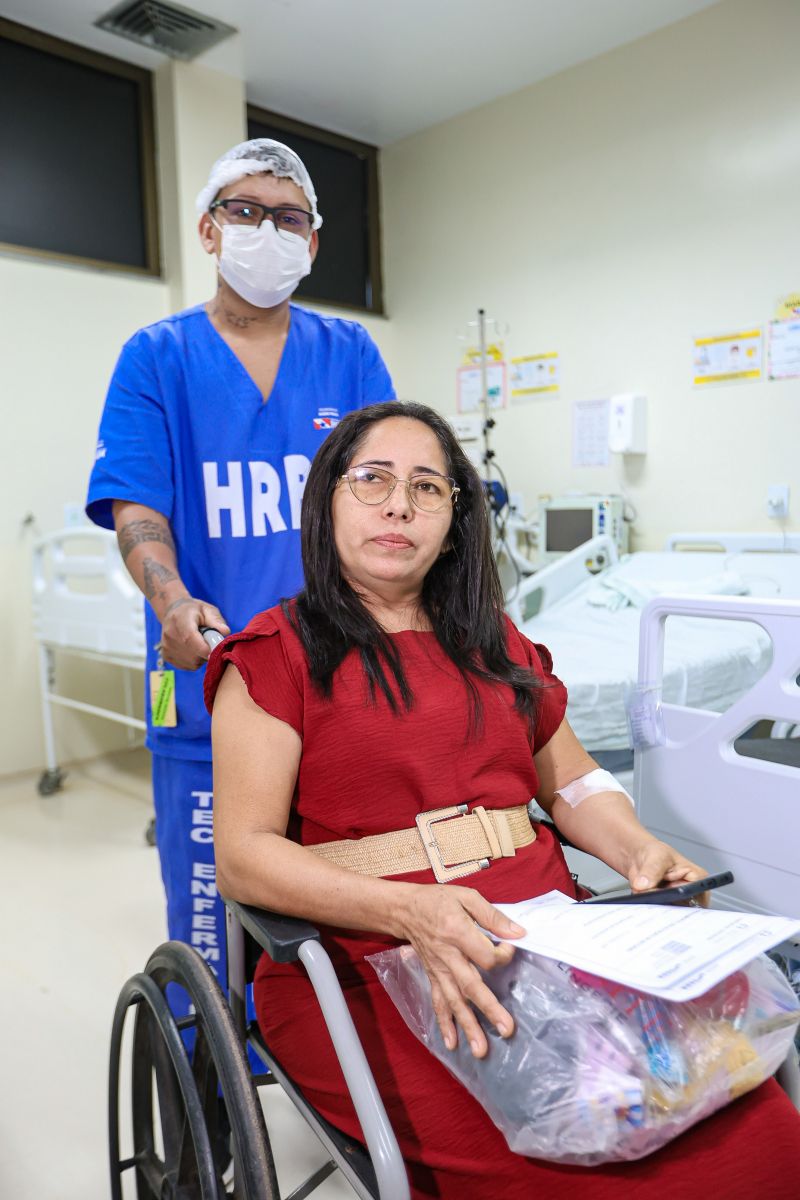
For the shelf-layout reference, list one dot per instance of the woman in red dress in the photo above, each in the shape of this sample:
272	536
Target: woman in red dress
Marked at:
392	687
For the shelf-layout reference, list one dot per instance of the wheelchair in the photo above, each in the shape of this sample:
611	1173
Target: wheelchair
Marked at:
198	1129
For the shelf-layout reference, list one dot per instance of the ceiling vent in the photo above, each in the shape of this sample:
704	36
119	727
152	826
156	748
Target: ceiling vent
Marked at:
178	32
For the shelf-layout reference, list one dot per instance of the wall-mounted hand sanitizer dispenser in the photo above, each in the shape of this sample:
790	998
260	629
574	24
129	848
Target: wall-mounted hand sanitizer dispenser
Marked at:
627	424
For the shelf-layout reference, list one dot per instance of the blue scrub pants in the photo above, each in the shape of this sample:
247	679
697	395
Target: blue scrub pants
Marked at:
182	793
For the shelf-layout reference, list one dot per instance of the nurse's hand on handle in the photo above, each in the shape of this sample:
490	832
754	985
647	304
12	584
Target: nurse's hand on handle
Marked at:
441	923
182	644
148	551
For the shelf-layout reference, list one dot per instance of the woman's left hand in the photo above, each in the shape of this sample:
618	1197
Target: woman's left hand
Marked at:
655	864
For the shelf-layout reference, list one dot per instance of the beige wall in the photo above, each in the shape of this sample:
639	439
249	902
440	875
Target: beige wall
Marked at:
608	213
611	213
62	329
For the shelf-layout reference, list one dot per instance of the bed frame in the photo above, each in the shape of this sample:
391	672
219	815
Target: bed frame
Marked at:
699	792
555	581
84	604
734	543
552	583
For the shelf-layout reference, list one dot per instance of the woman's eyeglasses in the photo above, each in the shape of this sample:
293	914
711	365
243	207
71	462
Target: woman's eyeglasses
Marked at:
371	485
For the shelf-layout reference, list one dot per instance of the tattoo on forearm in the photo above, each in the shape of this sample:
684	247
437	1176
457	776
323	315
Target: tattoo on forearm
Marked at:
135	532
156	576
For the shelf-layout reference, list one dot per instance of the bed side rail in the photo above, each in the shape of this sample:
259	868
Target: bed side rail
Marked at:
696	790
733	543
83	597
544	588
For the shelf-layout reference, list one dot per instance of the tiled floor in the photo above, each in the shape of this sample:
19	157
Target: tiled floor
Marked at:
82	906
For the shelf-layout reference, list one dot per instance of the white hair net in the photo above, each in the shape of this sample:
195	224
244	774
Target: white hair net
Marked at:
254	158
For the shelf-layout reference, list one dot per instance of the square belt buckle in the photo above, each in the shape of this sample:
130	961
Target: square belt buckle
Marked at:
425	822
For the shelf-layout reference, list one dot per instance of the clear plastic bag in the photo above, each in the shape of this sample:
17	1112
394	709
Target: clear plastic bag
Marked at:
596	1072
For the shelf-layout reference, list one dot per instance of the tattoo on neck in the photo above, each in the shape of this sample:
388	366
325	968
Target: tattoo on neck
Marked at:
238	321
156	577
218	308
134	533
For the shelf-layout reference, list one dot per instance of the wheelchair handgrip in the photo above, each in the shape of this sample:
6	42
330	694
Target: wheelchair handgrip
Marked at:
280	936
212	637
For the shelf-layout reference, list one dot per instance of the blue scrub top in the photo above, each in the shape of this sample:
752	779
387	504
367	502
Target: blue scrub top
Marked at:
185	431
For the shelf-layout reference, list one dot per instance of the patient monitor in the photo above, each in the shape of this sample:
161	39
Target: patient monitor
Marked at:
568	521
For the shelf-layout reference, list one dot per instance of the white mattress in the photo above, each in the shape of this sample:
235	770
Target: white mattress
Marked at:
707	664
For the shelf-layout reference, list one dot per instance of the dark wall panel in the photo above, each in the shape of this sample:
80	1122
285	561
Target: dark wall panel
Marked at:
341	272
71	154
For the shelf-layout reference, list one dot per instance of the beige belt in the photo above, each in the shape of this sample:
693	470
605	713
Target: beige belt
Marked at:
453	841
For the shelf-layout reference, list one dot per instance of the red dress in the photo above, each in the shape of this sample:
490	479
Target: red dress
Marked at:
365	770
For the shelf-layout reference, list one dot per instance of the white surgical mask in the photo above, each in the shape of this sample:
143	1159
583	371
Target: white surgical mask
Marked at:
262	265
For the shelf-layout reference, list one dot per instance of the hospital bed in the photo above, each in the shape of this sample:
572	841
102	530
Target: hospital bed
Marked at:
569	606
707	788
85	604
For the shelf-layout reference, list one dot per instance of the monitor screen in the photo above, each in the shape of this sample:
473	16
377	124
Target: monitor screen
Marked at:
567	528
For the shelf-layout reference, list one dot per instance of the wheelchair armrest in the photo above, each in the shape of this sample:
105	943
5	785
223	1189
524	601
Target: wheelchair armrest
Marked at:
280	936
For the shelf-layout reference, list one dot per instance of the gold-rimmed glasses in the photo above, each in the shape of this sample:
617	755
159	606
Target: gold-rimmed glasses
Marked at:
373	485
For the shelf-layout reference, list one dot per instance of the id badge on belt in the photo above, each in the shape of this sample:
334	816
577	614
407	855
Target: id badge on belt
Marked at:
162	696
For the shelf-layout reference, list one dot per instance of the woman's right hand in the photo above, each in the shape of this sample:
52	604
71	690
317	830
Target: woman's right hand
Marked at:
439	920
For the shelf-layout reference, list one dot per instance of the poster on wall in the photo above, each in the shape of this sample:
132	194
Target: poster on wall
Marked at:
728	358
495	353
784	349
788	307
590	433
470	387
534	375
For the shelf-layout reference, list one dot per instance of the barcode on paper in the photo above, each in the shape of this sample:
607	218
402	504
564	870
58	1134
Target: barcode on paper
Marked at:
675	947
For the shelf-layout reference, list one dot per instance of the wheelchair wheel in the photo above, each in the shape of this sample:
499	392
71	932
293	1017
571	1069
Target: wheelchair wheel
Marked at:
189	1111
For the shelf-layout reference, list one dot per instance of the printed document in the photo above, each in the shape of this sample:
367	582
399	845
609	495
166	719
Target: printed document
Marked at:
672	951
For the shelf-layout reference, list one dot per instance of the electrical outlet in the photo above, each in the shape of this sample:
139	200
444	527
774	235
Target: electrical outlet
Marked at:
778	500
516	500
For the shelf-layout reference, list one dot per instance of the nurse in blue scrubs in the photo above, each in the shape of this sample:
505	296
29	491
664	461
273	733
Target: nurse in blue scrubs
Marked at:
210	424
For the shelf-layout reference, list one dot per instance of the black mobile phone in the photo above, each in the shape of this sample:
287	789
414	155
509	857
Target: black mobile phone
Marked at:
673	893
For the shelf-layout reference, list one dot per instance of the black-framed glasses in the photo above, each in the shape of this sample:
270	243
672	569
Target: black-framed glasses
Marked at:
285	217
373	485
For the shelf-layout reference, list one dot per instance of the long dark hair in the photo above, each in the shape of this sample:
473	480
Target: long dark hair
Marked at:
461	594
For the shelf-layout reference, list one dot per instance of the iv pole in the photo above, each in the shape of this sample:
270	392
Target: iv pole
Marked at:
498	525
484	386
488	421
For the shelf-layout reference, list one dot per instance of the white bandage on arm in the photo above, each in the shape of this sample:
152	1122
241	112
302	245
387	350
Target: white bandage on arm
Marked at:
589	785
